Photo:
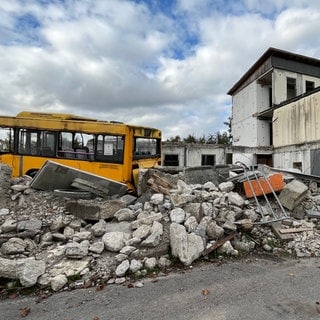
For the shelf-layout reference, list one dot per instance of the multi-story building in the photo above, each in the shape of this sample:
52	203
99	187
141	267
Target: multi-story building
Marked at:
279	80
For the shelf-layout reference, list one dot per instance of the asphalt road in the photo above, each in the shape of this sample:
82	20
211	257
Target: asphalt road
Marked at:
248	289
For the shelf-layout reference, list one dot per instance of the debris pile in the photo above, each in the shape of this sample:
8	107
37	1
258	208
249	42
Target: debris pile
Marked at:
56	242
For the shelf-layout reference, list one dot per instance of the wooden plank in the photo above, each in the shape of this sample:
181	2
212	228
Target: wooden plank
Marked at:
276	227
159	184
295	230
218	244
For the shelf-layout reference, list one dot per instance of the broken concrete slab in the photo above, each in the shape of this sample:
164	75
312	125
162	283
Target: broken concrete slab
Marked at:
292	194
313	214
200	175
54	175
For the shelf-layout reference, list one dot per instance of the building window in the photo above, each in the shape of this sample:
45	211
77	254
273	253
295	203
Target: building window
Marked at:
291	88
297	165
208	160
309	86
171	160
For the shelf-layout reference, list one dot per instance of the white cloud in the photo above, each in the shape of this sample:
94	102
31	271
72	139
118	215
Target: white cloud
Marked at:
123	60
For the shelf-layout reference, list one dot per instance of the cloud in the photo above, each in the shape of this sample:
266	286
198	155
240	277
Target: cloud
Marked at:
140	61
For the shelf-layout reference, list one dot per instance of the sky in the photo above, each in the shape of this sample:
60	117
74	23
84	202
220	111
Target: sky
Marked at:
166	64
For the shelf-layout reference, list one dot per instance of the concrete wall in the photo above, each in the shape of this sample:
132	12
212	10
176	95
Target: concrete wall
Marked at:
190	155
297	122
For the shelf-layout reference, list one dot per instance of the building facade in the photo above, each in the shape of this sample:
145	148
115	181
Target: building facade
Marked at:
193	155
277	78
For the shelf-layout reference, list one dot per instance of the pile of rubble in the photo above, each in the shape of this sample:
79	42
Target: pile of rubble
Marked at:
56	242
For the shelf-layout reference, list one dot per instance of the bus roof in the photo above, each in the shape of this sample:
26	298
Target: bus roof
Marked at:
53	116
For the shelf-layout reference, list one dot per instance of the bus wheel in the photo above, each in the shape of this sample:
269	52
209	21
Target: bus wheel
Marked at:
72	193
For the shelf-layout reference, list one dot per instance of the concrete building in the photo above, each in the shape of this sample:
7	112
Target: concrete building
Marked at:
193	155
262	131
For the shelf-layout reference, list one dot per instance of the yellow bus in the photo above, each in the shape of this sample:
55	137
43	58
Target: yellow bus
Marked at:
113	150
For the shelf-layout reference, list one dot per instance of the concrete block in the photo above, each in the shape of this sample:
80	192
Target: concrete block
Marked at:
293	193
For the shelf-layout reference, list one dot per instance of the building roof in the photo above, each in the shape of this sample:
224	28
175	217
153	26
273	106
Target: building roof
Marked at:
273	52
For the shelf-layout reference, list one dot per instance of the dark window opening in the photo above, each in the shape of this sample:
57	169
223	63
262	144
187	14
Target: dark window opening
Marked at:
265	159
291	88
171	160
309	86
208	160
297	165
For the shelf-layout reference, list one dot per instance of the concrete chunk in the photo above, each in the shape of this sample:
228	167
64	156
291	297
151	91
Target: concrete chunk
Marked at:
293	193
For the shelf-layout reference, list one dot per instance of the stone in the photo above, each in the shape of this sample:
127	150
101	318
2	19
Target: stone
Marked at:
210	186
127	250
146	220
226	186
96	247
193	208
207	209
9	225
229	225
142	232
4	212
31	271
150	263
99	228
68	232
164	262
124	214
292	194
177	215
75	250
122	268
236	199
191	224
187	247
58	282
114	241
154	238
13	246
228	249
135	265
82	235
34	225
157	199
214	231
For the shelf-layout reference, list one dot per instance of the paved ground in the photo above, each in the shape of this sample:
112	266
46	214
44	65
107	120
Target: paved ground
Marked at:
249	289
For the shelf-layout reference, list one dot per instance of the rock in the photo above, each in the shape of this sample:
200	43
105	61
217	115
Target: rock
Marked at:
187	247
228	249
4	212
149	219
193	209
9	225
33	226
214	231
114	241
75	250
157	199
164	262
122	268
207	209
154	239
236	199
96	247
82	235
92	210
13	246
99	228
124	214
226	186
292	194
177	215
58	282
135	265
127	250
142	232
191	224
210	186
32	270
150	263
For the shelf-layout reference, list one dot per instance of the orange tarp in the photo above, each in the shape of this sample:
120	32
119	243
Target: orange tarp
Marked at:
276	181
